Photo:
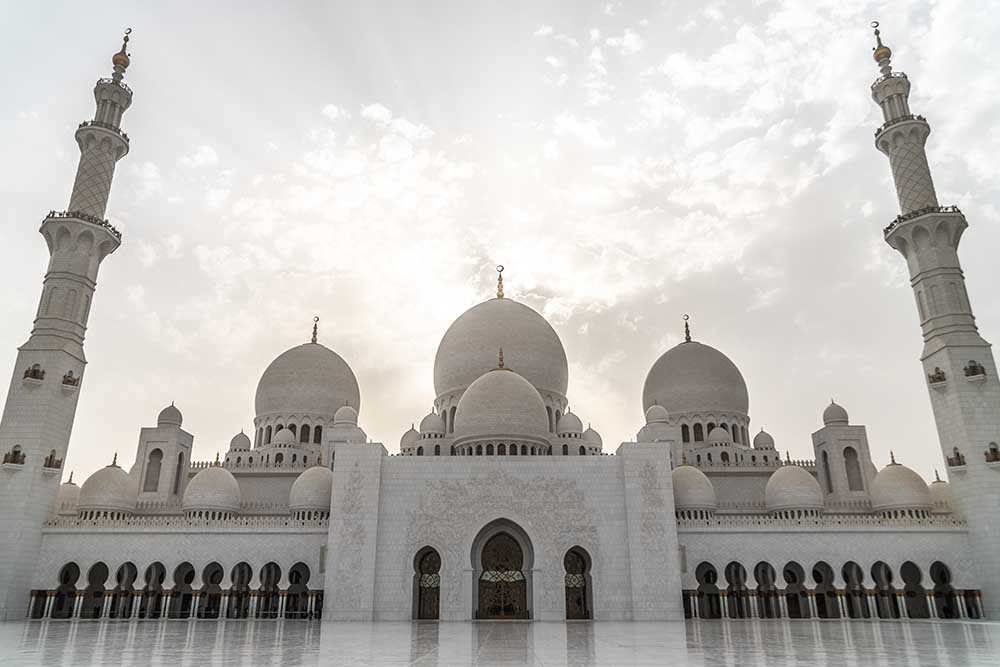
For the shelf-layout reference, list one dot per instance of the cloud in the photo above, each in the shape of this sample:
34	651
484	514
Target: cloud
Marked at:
203	156
544	31
628	44
585	130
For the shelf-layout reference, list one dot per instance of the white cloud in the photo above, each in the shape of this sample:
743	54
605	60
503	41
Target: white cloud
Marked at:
544	31
629	43
333	112
585	130
377	113
202	156
554	62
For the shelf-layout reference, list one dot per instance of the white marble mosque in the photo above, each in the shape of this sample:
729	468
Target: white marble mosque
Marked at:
501	505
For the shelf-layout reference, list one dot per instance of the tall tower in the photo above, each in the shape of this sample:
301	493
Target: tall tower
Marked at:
958	364
48	374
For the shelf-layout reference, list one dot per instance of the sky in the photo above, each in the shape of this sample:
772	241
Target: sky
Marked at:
371	163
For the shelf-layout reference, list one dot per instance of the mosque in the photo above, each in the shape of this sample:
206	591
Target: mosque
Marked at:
501	505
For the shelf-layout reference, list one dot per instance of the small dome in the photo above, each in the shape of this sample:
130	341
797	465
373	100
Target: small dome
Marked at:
308	379
834	415
213	489
283	438
170	416
240	442
501	404
657	414
693	490
763	440
110	488
345	415
692	377
409	438
432	424
792	488
569	423
896	487
593	437
940	492
312	490
66	501
719	436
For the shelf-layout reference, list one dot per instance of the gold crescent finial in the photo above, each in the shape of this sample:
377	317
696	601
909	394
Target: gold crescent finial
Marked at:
499	281
315	327
892	457
937	477
70	476
687	329
500	359
114	461
121	59
882	52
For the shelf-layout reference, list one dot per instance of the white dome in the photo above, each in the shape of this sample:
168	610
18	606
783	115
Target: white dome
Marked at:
213	489
432	424
692	377
693	490
569	423
240	442
530	344
283	438
308	379
69	496
501	404
409	438
941	496
170	416
792	488
312	490
345	415
834	415
657	414
719	436
593	437
896	487
763	440
110	488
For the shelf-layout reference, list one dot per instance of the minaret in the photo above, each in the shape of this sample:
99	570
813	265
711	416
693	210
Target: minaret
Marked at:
48	374
959	369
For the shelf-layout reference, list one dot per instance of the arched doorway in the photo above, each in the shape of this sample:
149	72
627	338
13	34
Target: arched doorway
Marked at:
210	605
502	557
427	582
121	598
796	597
578	600
945	598
93	596
239	593
825	593
914	594
767	592
297	597
709	600
737	593
182	596
152	593
885	595
854	587
269	597
65	598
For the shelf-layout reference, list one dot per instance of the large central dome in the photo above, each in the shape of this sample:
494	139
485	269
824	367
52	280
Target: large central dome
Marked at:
530	345
692	377
308	379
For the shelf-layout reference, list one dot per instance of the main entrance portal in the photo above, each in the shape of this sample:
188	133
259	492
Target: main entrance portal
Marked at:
503	591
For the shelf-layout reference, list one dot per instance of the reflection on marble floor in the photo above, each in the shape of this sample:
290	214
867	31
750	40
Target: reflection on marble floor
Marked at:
287	643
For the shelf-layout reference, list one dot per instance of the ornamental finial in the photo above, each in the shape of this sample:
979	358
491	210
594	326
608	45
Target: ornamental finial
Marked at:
121	59
881	51
500	359
892	458
499	281
937	477
114	461
216	460
687	329
315	327
70	477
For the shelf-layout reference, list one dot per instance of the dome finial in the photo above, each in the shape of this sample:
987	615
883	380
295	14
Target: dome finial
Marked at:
216	460
687	329
500	282
881	51
892	458
937	477
121	59
315	328
500	359
114	461
71	477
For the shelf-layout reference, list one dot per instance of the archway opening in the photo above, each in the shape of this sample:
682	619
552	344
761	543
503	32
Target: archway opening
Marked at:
151	605
121	597
857	601
945	597
210	603
578	591
239	592
796	597
737	593
709	600
297	596
914	594
427	583
65	598
885	595
182	595
93	595
269	596
502	557
768	605
825	593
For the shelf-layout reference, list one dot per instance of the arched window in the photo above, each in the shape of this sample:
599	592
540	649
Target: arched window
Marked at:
724	456
583	450
501	449
479	450
239	460
828	478
278	427
318	435
565	450
153	465
699	433
451	419
260	436
179	474
489	449
292	428
685	433
279	458
304	434
854	479
267	435
437	450
524	450
420	451
552	426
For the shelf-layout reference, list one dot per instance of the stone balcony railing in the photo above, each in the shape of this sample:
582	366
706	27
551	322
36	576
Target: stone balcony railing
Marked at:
848	521
86	217
106	126
258	464
120	84
182	523
890	75
895	121
900	219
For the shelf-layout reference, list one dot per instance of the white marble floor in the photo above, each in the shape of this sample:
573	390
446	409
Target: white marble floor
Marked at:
290	643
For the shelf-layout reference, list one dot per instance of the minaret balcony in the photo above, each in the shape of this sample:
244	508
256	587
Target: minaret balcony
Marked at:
84	217
896	121
106	126
112	82
921	212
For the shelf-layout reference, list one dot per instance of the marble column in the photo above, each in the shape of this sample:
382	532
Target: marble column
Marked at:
77	605
932	604
901	602
51	597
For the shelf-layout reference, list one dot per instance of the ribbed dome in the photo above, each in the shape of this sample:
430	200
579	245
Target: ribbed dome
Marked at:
530	344
834	415
501	404
213	489
941	496
763	440
657	414
593	437
792	488
170	416
110	488
312	490
719	436
68	498
569	423
308	379
410	438
896	487
240	442
345	416
692	377
693	490
432	424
